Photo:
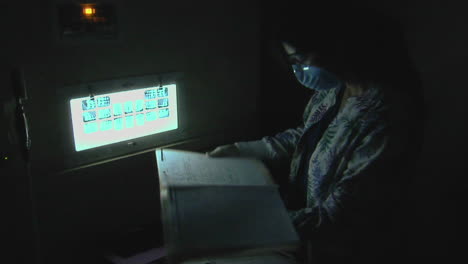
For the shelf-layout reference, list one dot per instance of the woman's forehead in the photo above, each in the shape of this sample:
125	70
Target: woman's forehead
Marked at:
293	49
290	49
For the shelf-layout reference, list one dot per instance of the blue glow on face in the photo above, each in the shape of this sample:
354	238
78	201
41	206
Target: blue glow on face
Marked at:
315	78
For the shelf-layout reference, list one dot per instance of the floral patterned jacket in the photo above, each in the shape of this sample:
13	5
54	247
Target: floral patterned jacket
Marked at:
352	141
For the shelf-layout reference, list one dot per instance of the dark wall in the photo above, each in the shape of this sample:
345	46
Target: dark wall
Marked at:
90	208
215	44
436	41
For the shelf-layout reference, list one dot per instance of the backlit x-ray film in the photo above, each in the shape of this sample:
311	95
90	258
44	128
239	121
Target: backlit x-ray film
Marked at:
116	117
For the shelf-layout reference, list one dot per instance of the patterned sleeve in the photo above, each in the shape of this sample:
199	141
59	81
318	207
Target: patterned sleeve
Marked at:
279	146
348	193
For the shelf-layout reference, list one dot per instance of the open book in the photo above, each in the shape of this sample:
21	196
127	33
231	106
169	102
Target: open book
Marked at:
220	206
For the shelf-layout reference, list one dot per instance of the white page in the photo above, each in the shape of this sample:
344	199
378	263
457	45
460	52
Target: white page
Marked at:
273	258
193	168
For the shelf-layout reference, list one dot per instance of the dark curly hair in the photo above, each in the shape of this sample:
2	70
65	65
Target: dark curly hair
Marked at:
360	45
357	44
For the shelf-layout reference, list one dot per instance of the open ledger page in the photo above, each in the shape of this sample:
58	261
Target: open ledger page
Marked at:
220	206
192	168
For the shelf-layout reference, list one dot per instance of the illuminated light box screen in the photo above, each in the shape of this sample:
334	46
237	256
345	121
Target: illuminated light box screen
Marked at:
116	117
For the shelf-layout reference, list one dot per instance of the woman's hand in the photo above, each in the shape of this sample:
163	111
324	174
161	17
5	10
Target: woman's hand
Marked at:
229	150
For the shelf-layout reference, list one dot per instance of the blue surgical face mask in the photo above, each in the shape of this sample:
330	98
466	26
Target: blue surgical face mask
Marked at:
315	78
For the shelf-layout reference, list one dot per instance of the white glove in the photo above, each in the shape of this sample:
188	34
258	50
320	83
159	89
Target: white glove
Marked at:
229	150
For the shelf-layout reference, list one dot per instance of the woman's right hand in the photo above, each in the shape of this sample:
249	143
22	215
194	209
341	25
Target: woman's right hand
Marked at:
229	150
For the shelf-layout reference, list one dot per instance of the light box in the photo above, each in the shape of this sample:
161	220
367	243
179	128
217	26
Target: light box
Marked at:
109	118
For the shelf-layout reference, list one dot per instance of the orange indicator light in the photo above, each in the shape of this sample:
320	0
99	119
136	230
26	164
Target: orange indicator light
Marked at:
88	11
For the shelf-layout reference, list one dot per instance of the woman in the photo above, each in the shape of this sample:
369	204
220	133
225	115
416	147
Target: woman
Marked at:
347	154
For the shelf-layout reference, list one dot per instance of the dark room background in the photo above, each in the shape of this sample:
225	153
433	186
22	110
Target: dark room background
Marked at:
233	91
